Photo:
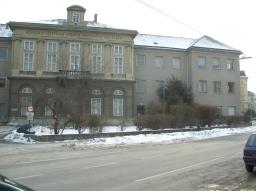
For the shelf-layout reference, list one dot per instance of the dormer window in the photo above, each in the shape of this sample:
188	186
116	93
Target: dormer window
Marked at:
76	17
75	14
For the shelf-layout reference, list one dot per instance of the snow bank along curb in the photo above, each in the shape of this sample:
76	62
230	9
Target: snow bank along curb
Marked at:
51	138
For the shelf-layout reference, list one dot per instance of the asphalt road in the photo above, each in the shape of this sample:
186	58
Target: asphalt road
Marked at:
213	164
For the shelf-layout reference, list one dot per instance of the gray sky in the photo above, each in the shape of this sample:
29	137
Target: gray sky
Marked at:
228	21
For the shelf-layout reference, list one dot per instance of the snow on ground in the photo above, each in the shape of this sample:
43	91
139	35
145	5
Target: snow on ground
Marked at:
136	139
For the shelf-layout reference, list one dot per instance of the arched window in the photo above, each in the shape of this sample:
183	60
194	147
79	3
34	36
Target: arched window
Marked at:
96	102
48	108
49	91
26	100
96	92
118	103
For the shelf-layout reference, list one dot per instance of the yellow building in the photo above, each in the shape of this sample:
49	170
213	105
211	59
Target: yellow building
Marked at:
244	92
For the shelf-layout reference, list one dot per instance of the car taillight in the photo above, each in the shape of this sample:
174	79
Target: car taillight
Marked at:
247	154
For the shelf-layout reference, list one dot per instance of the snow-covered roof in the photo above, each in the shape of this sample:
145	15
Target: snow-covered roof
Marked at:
208	42
163	41
5	31
158	41
64	22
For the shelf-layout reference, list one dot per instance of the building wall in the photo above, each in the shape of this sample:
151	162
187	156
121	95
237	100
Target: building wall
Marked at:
191	74
4	87
244	94
223	99
67	82
151	73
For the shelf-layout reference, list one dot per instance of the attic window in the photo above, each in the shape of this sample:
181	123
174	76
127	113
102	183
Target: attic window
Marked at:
76	17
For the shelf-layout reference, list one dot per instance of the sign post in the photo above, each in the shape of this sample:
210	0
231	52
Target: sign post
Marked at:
30	114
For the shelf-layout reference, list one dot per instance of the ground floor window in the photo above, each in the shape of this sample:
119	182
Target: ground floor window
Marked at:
26	100
2	111
118	106
231	111
48	111
140	109
96	106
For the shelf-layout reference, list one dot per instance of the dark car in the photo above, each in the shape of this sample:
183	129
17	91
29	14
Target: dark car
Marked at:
250	153
10	185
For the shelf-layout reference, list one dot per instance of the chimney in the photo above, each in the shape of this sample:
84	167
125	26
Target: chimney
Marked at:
95	18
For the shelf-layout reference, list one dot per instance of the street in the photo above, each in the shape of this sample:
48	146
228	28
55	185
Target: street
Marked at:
213	164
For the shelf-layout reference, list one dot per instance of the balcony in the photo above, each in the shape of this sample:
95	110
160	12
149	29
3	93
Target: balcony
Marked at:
72	74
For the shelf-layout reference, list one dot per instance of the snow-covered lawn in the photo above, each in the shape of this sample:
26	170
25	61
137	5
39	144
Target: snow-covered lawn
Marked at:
136	139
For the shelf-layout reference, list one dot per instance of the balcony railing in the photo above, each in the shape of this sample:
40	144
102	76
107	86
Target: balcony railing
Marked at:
71	74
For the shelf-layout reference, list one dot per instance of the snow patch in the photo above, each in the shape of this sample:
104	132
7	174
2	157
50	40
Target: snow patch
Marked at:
176	137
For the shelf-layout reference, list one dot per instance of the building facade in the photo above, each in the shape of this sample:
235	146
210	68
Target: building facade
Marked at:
86	66
209	67
5	60
92	68
244	92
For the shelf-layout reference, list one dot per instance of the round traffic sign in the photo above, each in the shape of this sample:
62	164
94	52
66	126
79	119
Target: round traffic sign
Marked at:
30	108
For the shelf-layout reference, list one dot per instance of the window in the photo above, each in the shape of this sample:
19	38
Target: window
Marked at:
216	64
28	57
96	58
76	17
118	50
3	110
230	64
96	92
2	82
118	65
49	91
140	109
96	48
231	87
74	57
202	86
118	62
141	86
3	54
140	59
48	111
159	61
118	93
219	111
75	47
118	106
96	106
201	62
159	83
51	65
118	103
28	62
26	100
231	111
74	63
176	63
217	87
29	45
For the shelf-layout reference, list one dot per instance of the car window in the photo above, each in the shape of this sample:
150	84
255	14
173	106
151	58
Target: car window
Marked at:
251	141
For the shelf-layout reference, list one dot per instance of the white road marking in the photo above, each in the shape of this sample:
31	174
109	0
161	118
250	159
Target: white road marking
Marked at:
38	161
179	169
63	158
26	177
98	166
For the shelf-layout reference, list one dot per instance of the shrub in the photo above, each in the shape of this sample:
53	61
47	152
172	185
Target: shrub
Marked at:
205	114
94	123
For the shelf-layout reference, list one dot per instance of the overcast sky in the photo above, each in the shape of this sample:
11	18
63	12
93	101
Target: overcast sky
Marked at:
229	21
